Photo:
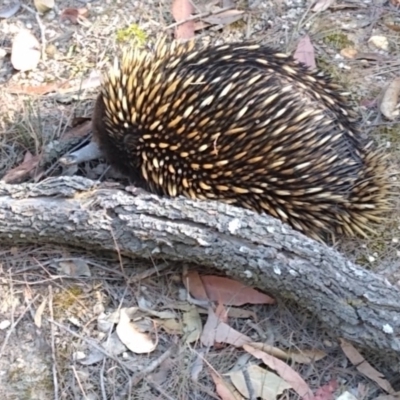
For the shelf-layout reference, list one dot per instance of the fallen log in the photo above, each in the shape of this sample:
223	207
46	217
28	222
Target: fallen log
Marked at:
259	250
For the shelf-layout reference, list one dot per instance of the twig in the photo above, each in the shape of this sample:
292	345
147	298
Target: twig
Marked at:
79	383
160	390
42	36
198	16
53	347
149	272
42	29
153	365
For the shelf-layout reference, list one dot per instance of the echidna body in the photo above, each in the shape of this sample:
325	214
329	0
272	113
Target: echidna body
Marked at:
243	124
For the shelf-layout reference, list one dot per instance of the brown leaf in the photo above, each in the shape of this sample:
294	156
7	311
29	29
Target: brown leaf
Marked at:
221	312
326	392
364	367
38	90
349	52
181	11
194	285
231	292
284	371
24	170
393	27
306	356
74	15
305	52
224	389
216	331
78	131
299	356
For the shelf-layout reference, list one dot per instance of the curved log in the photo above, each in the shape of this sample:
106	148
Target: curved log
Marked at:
357	304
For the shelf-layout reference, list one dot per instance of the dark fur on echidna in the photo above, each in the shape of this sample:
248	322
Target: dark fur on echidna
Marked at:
244	124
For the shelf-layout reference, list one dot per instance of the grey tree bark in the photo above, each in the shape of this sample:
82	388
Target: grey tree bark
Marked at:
358	305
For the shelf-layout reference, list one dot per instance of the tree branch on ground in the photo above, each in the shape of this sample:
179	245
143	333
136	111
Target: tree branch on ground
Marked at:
258	250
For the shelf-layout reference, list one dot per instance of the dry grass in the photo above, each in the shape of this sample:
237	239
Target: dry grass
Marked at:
39	363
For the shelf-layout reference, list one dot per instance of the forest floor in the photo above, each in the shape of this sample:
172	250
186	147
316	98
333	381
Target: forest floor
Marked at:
57	338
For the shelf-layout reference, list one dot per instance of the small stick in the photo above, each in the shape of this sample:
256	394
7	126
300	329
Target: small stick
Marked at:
42	36
53	347
42	29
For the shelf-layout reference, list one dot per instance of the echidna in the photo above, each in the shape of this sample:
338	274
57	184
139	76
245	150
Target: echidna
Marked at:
243	124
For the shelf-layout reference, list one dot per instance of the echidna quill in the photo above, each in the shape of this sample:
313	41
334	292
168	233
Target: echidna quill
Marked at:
243	124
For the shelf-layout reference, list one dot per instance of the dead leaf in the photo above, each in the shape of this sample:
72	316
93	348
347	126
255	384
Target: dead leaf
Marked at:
39	312
349	52
113	345
44	6
390	100
369	103
93	357
194	285
171	326
74	15
221	313
299	356
181	11
78	131
192	325
380	42
284	370
322	5
306	356
224	290
393	27
131	337
216	331
22	171
265	384
10	10
25	51
305	52
224	389
327	391
224	18
364	367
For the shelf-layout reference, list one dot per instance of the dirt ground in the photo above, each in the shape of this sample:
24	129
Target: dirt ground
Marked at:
52	333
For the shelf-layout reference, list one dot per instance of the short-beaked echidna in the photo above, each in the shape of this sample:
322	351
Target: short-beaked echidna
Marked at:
243	124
